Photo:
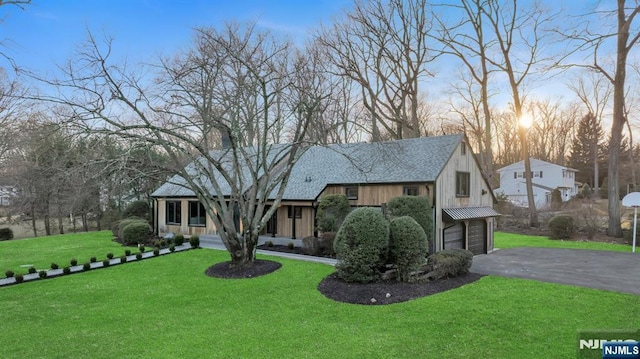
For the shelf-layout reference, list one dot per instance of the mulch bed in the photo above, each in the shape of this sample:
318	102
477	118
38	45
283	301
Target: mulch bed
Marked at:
259	268
388	292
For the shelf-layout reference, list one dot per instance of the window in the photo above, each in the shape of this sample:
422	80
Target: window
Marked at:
197	214
173	212
463	149
410	190
293	210
462	184
540	174
515	174
351	192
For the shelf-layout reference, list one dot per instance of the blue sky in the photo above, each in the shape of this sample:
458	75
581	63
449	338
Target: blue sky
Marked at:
47	32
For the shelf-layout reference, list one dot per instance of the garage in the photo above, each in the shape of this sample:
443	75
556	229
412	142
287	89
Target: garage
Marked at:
478	236
454	236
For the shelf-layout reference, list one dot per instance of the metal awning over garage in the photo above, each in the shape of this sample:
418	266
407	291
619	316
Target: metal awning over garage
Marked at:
464	213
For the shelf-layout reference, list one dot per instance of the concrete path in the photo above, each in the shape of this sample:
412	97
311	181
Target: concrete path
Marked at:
614	271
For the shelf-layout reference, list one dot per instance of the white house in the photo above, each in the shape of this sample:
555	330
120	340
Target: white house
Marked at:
545	177
7	193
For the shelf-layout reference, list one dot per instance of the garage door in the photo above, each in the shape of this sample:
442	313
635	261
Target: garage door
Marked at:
478	236
454	236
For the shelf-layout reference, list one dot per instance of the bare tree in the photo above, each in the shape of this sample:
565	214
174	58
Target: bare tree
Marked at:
615	24
235	84
382	46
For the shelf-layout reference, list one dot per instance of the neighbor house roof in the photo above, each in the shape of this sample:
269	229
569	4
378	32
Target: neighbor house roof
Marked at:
535	165
403	161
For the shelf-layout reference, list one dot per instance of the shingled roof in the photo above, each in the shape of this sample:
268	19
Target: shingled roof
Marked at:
403	161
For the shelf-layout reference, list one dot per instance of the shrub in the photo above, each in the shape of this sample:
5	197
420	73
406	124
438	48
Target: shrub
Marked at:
418	208
106	262
110	255
66	270
194	241
290	245
9	274
407	246
172	248
86	266
311	245
138	209
74	262
123	259
32	270
141	248
178	240
6	234
156	252
54	266
449	263
127	252
325	243
562	227
361	245
556	199
19	278
42	274
269	244
135	232
139	256
158	243
93	259
332	210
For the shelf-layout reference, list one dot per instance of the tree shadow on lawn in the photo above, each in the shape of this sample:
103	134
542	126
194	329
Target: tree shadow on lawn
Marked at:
332	287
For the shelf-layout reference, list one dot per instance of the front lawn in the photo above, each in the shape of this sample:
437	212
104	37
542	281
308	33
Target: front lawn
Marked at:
512	240
42	251
168	308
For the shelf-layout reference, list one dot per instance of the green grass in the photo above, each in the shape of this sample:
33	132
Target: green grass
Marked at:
167	307
512	240
59	249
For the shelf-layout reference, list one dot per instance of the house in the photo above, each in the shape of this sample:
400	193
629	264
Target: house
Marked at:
369	174
7	194
545	177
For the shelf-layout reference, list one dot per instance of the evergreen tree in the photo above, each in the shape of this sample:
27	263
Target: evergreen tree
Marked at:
587	147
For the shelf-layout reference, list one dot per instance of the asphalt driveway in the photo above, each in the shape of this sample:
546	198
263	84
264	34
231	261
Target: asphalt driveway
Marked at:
614	271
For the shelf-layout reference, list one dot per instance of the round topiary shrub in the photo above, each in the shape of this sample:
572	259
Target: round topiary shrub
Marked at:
407	246
156	252
86	266
361	245
178	240
74	262
141	248
418	208
119	226
19	278
32	270
123	259
562	227
106	263
269	244
139	209
135	232
66	270
6	234
54	266
9	274
290	245
127	252
194	241
138	256
110	255
42	274
172	248
93	259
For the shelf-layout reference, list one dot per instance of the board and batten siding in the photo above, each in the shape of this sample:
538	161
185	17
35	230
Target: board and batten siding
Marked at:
304	225
377	194
184	228
445	193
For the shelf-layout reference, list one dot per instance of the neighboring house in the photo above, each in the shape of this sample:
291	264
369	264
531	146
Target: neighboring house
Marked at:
7	194
545	178
369	174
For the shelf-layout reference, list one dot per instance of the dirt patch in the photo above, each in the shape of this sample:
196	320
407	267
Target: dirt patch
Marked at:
388	292
258	268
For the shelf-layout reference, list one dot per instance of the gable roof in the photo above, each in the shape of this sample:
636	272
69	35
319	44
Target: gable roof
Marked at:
403	161
534	163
